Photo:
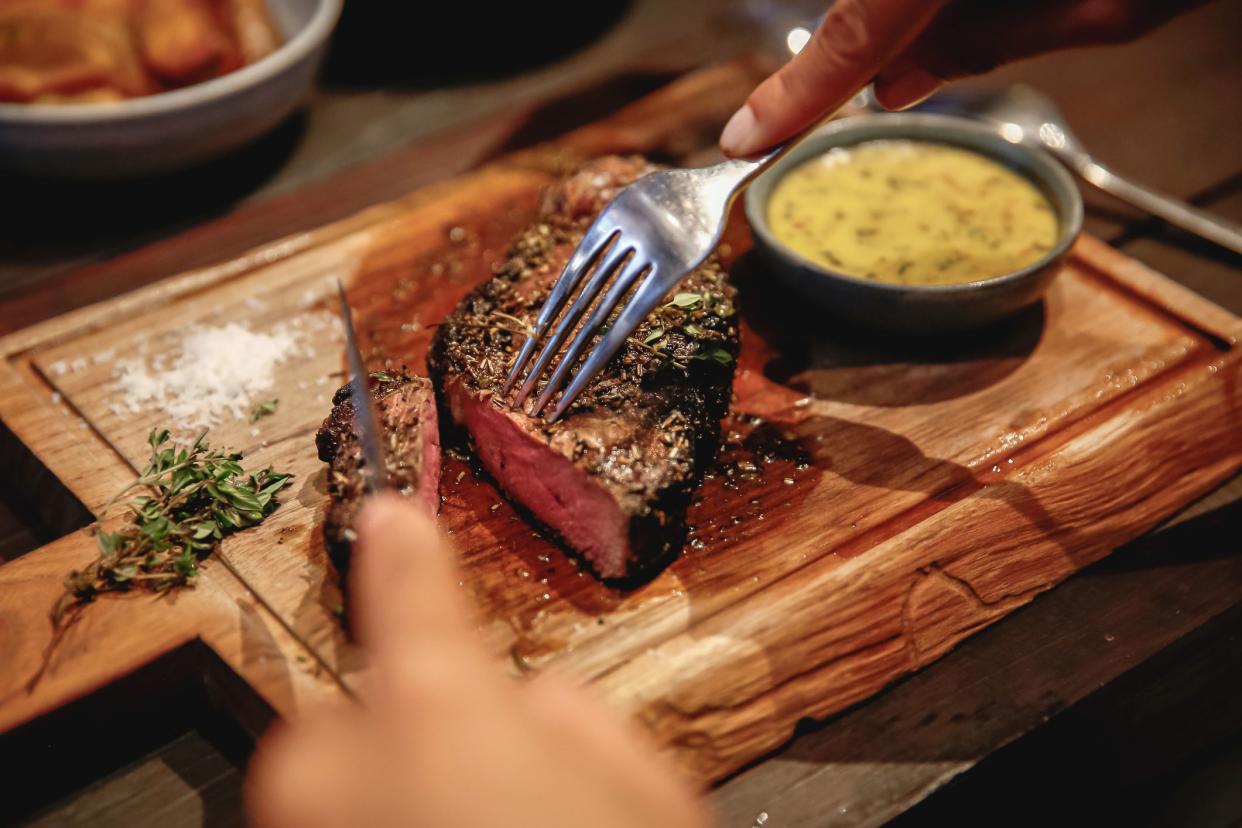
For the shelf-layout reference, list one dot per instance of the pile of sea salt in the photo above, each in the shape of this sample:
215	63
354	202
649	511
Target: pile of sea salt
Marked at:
214	372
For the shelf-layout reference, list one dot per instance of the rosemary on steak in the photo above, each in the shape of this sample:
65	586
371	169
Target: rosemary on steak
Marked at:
193	496
683	313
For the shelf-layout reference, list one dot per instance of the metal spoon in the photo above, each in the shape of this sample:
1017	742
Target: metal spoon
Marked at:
1025	116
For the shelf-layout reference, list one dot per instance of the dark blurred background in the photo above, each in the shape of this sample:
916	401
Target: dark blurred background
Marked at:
433	45
395	75
413	96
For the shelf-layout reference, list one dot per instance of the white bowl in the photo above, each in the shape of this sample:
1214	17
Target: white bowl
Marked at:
157	133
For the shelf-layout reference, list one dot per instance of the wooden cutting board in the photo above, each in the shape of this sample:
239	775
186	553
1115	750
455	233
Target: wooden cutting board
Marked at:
876	501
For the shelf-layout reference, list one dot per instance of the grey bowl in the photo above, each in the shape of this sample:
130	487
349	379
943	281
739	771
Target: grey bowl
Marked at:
920	308
173	129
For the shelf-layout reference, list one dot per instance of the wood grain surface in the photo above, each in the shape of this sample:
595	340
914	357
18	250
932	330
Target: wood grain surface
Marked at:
121	633
910	495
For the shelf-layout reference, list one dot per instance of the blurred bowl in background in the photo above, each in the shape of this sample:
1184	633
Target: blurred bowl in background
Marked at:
473	42
171	130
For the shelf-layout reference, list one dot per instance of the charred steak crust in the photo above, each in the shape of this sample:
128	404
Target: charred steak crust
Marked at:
641	431
406	410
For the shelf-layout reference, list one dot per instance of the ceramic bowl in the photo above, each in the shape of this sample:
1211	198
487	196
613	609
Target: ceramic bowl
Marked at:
158	133
920	309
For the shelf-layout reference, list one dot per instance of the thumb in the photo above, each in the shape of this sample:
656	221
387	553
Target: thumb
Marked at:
404	592
854	41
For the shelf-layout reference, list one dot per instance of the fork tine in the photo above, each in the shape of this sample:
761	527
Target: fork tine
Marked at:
592	246
616	258
649	294
606	306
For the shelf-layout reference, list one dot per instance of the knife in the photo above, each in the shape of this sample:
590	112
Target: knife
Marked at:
374	469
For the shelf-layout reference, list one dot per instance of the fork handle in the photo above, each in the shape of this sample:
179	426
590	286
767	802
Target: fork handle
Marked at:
738	171
748	168
1191	219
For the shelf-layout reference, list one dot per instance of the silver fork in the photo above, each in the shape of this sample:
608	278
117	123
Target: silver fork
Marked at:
657	229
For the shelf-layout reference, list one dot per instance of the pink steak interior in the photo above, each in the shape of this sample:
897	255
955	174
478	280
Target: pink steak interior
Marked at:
557	492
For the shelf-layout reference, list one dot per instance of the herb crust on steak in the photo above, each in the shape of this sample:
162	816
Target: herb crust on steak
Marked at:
406	410
613	477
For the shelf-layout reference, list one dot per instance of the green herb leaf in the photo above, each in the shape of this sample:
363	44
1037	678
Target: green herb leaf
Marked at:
654	335
694	330
106	543
272	483
719	355
124	572
383	376
191	498
185	565
264	409
686	300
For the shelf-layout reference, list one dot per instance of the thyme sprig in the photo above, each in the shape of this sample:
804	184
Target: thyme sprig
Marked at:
511	325
659	352
194	496
679	314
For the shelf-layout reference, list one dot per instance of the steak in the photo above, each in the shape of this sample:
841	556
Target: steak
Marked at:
406	410
613	477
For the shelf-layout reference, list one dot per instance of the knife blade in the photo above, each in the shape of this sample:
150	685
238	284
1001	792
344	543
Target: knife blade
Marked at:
374	469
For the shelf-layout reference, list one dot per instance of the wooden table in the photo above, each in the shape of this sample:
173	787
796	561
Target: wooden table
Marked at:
1120	682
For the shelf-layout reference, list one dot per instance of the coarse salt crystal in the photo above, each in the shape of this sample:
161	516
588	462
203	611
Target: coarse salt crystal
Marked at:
216	372
55	397
59	367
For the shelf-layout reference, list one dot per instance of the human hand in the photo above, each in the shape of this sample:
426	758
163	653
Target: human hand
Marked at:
910	47
441	736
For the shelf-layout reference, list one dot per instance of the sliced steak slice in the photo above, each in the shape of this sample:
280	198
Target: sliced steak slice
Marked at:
614	476
406	409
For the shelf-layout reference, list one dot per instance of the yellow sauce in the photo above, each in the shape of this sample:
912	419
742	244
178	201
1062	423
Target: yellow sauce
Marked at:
912	212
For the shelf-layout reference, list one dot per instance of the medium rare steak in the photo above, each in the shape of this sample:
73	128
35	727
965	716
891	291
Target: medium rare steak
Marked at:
613	477
405	407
